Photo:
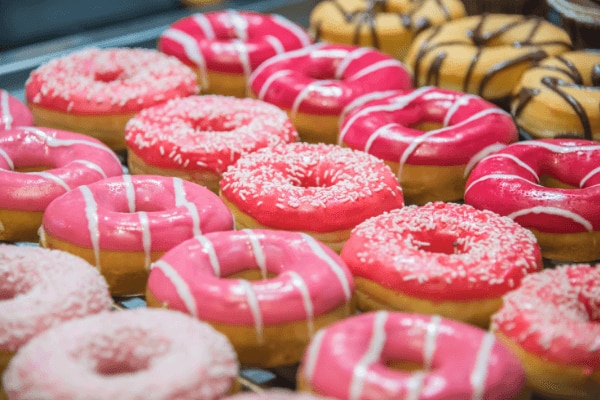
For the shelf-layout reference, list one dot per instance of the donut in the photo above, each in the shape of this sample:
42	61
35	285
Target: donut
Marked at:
314	84
430	136
441	258
12	112
393	355
551	324
580	18
224	47
198	137
267	291
549	186
40	288
323	190
96	91
122	224
126	355
483	54
565	89
388	25
38	165
523	7
274	394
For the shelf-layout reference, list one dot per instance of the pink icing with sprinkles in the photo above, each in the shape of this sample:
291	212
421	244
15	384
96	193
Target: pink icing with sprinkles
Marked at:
109	81
311	187
206	132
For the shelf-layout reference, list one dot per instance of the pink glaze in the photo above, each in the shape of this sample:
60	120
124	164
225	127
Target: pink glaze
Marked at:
68	160
471	128
109	81
443	251
134	354
134	213
554	314
323	79
310	279
311	187
230	41
206	132
508	183
12	112
40	288
347	360
275	394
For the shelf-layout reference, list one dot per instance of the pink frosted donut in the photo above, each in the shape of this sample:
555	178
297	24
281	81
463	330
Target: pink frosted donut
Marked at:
12	112
96	91
51	161
350	360
551	323
224	47
268	291
314	84
551	187
128	355
40	288
275	394
122	224
320	189
198	137
431	137
473	257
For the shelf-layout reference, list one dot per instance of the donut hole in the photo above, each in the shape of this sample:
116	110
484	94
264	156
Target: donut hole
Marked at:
427	126
16	283
551	182
438	242
221	124
404	365
118	367
108	75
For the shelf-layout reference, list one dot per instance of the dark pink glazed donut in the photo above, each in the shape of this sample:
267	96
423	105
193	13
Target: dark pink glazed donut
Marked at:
13	113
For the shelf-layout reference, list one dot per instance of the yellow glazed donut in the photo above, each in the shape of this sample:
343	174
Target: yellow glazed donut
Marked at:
483	54
565	90
388	25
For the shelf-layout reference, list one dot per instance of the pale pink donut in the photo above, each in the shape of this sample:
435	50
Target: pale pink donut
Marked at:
51	161
12	112
128	355
198	137
40	288
122	224
300	281
347	360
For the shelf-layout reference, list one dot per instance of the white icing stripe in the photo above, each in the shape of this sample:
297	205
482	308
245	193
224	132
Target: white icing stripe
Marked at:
92	166
53	178
181	201
242	51
589	176
254	309
10	163
209	249
372	354
480	155
375	67
556	148
309	308
304	94
129	192
192	51
293	28
378	132
554	211
415	385
204	24
519	162
288	55
270	80
181	286
91	215
239	24
362	100
146	238
495	176
7	118
458	103
480	369
257	251
275	44
430	345
312	355
319	252
347	60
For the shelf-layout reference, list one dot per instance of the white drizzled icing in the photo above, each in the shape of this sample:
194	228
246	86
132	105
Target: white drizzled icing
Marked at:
554	211
53	178
190	47
93	166
480	155
373	68
180	285
277	75
415	385
275	44
480	369
6	116
309	308
373	353
254	309
430	344
362	100
257	251
589	176
348	59
146	238
555	148
129	193
381	131
319	252
91	215
494	176
239	24
204	24
456	105
8	160
181	200
242	50
303	94
517	161
209	249
292	27
312	355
